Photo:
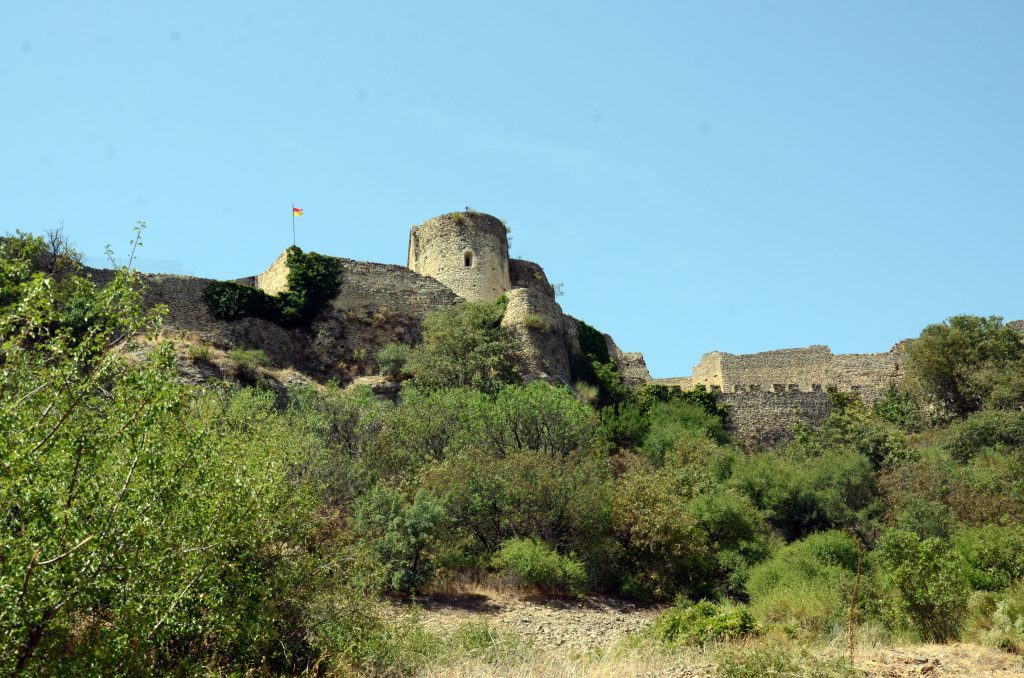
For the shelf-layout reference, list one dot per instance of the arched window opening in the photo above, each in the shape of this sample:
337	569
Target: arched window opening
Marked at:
467	258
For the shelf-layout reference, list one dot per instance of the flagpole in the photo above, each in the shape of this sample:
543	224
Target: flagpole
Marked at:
293	224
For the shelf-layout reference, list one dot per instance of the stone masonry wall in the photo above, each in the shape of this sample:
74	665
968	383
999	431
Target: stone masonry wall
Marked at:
274	280
536	321
767	419
467	251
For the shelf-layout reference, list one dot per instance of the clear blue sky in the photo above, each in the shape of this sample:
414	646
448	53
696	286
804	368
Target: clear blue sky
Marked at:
734	176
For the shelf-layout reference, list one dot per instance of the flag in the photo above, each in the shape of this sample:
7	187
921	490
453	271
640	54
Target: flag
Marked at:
296	211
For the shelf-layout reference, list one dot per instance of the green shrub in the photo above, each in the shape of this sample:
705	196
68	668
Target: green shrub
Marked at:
400	533
588	393
669	420
624	426
248	362
313	280
686	624
984	430
998	619
537	322
465	347
392	359
804	495
199	353
593	344
928	579
967	363
802	585
993	555
533	563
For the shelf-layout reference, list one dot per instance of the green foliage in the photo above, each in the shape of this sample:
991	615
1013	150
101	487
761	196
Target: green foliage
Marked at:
143	527
993	556
704	622
537	417
968	363
802	585
400	533
928	580
624	426
534	563
199	353
998	619
393	358
564	501
926	518
313	280
901	408
593	344
537	323
465	347
801	495
668	421
983	430
850	427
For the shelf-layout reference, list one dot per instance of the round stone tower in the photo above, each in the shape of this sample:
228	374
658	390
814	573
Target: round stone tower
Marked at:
467	251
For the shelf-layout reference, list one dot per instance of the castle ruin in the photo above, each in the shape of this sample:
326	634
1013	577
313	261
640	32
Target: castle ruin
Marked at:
463	256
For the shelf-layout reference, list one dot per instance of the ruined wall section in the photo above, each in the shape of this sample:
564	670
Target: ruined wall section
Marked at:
274	280
536	321
868	374
523	273
766	419
466	251
793	369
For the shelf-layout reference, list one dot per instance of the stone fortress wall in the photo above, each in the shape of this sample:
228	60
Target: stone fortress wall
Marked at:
768	392
464	256
452	258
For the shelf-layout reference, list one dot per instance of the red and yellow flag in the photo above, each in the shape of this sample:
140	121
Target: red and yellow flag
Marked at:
296	211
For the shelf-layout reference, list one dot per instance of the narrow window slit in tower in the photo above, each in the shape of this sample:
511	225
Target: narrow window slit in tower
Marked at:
467	258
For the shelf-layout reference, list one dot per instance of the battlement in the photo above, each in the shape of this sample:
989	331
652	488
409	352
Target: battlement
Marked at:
811	369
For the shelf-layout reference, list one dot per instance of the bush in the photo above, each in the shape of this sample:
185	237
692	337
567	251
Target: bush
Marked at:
984	430
967	363
392	359
998	619
804	495
686	624
465	347
537	322
669	420
624	426
400	533
313	280
248	363
199	353
927	577
802	585
993	555
533	563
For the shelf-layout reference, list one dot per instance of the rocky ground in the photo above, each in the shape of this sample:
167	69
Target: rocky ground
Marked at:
572	638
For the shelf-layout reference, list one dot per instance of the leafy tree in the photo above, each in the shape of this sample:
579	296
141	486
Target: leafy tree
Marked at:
465	347
141	527
400	533
538	417
928	578
968	363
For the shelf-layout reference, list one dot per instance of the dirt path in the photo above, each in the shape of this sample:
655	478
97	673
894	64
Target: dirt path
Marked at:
564	631
571	625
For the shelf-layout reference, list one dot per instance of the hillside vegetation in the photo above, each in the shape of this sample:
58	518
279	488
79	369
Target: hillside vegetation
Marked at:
148	526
